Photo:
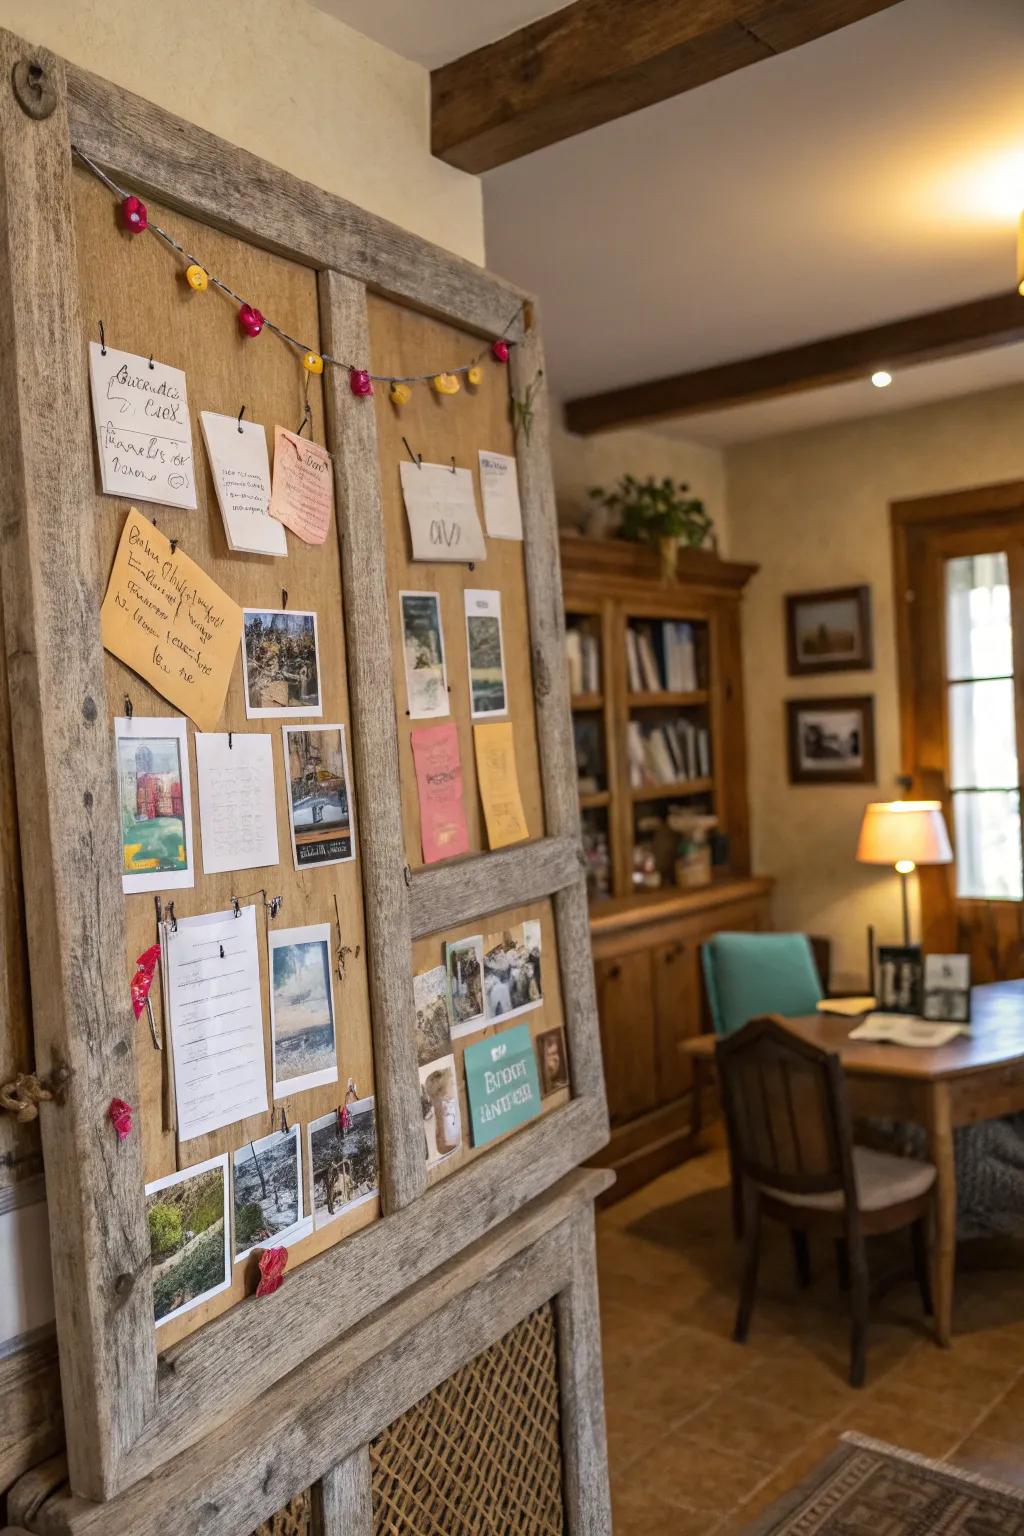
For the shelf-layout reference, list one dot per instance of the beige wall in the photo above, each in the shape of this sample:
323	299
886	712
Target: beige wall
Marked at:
284	80
813	509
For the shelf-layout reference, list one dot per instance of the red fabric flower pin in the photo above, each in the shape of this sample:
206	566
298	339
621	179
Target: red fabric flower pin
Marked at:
120	1118
273	1263
360	382
134	216
499	351
250	321
143	978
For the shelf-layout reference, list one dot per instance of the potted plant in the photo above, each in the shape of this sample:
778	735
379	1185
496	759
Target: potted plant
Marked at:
657	512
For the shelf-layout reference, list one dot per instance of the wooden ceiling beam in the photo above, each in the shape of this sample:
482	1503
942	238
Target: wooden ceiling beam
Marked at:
973	327
596	60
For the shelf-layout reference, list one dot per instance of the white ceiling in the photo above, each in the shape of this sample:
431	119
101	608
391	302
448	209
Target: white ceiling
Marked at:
434	31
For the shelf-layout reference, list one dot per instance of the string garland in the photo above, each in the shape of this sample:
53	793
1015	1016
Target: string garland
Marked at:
444	381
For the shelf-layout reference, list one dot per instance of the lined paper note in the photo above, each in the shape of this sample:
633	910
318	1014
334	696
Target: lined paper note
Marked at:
499	482
237	809
241	472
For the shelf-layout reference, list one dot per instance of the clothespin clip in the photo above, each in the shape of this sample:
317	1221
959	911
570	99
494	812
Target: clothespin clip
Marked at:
240	415
453	463
129	707
172	920
274	905
221	948
417	458
235	908
285	1127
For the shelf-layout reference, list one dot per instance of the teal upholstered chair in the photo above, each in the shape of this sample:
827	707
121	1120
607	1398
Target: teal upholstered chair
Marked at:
749	974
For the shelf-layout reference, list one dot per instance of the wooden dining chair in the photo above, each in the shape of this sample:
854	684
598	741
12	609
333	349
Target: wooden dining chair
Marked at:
788	1123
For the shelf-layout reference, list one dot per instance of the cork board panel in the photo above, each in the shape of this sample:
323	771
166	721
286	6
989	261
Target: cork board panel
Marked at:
430	951
134	284
438	428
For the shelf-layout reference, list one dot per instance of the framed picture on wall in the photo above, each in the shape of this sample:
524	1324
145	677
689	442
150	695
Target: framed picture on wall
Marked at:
828	631
832	741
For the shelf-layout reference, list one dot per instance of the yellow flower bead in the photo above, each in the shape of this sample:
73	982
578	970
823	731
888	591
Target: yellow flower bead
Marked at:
197	278
313	362
445	384
473	376
400	394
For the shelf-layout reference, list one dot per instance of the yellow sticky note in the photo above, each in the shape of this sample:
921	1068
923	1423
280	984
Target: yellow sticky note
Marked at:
499	783
170	622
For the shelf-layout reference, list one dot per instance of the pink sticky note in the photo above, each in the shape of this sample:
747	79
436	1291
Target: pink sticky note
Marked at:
302	490
443	830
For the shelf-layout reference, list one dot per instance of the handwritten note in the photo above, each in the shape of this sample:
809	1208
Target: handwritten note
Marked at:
499	783
241	473
441	507
143	430
237	809
302	496
170	622
212	982
499	482
443	830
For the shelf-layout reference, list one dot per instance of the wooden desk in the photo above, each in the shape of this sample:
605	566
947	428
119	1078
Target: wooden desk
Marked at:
975	1078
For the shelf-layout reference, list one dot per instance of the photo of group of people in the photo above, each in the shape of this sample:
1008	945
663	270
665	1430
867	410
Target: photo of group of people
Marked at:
281	663
494	977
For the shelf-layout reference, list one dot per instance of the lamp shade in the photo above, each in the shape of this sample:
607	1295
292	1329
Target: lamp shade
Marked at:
904	831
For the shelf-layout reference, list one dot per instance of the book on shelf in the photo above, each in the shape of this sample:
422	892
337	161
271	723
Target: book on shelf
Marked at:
667	754
649	668
574	658
661	657
680	657
582	654
633	661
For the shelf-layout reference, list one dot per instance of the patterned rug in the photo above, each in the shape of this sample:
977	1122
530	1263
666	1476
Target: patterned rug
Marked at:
866	1488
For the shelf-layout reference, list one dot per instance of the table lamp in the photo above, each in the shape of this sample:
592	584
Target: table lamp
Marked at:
904	834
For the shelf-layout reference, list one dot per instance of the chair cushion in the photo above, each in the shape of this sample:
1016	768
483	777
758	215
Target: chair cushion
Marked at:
882	1179
747	974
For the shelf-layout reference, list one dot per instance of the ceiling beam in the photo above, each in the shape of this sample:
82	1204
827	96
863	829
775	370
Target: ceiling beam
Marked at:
973	327
596	60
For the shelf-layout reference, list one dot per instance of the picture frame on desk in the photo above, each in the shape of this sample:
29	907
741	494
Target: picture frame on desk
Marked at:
831	740
829	631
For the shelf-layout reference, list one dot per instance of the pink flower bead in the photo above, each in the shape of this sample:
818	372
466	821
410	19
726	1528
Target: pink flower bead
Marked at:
120	1118
250	321
273	1263
499	351
134	217
360	382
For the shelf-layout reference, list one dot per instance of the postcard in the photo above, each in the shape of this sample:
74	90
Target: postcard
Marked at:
426	677
433	1019
552	1060
237	805
319	800
499	783
164	617
343	1159
442	1118
464	963
143	429
280	663
488	694
302	1009
501	1083
267	1193
302	494
189	1250
237	451
440	503
443	829
212	984
499	482
512	982
156	803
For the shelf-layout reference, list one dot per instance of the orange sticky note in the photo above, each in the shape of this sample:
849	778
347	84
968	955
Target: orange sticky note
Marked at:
164	617
499	783
302	492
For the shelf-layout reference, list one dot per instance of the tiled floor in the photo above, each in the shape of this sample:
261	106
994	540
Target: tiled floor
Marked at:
703	1433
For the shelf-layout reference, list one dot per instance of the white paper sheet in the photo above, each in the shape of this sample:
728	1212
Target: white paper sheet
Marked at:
441	508
212	972
143	430
499	482
241	473
156	841
237	806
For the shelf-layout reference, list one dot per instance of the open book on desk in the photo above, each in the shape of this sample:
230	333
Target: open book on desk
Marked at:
906	1029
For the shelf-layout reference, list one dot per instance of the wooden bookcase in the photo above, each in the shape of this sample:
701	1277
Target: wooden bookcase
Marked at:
646	942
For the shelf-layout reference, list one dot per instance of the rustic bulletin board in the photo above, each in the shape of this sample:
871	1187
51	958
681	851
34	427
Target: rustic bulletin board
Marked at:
132	1397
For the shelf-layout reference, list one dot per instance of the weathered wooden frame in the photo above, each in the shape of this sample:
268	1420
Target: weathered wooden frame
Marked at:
127	1412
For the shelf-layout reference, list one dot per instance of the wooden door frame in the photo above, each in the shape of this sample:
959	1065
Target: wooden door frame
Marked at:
127	1412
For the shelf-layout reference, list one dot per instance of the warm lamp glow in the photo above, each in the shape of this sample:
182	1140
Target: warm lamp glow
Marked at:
1020	255
881	378
903	834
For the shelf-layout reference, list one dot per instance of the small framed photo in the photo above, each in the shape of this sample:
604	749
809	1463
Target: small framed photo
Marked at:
280	663
828	631
832	741
947	989
189	1237
900	977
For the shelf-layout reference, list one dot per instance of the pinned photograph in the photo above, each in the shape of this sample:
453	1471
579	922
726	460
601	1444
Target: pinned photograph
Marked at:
552	1061
442	1118
302	1009
343	1159
488	694
900	978
280	663
426	677
512	971
433	1018
267	1192
947	988
464	962
187	1213
156	804
319	803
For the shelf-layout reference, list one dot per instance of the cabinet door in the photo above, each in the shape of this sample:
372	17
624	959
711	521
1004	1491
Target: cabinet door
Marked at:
677	1014
626	1008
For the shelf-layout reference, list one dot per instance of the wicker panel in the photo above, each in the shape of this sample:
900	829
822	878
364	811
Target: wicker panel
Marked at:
295	1519
481	1453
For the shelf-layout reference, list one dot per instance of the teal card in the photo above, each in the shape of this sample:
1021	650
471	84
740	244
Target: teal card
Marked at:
501	1081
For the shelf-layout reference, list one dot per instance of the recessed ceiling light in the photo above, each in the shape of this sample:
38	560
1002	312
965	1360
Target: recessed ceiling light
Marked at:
881	379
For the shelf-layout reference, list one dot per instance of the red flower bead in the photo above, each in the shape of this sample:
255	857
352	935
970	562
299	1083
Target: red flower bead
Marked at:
120	1118
360	382
499	351
133	215
250	321
273	1263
